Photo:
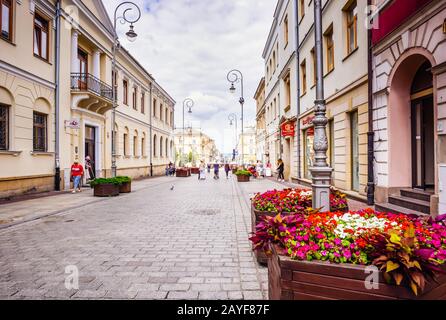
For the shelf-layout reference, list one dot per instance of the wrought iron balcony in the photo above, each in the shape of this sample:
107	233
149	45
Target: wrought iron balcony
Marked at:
85	82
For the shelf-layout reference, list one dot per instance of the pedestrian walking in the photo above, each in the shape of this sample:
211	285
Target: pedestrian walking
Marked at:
77	172
280	168
216	171
201	171
259	168
227	169
209	168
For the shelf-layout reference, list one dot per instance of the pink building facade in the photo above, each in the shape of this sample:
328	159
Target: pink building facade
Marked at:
409	106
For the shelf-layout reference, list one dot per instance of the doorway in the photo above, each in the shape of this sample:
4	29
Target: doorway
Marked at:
422	129
90	151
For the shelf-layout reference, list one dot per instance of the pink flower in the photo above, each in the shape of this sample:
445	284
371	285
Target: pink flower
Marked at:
347	254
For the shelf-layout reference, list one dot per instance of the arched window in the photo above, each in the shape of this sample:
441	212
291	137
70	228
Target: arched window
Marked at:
143	144
161	147
166	118
167	148
171	148
161	111
135	144
115	138
154	145
126	142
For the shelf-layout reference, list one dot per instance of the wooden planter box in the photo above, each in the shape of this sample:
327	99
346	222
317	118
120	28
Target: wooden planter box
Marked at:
243	178
182	172
125	187
194	170
106	190
317	280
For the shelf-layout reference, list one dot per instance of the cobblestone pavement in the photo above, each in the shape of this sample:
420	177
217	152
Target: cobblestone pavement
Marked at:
189	243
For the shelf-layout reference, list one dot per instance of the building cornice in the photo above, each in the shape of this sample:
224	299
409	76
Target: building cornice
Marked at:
26	75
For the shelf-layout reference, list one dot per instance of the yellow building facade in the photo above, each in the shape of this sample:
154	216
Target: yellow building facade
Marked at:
28	68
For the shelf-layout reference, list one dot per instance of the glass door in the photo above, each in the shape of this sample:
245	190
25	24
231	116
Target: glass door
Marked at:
83	69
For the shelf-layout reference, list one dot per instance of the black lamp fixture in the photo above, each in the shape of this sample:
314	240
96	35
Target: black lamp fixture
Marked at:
131	34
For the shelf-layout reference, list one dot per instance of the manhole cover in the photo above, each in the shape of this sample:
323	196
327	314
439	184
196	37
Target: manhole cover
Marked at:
204	212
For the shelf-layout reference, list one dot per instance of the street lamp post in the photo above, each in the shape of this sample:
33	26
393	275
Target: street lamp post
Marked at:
131	36
233	118
320	172
189	103
234	76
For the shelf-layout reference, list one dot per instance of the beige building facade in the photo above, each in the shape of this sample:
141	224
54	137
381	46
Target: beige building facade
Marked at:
260	122
197	146
249	155
144	114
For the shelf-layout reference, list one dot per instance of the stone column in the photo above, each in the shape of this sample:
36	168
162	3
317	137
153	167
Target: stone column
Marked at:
97	63
75	68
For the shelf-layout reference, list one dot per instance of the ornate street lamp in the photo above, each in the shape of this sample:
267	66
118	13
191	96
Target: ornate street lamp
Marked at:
320	172
189	103
233	77
131	36
233	118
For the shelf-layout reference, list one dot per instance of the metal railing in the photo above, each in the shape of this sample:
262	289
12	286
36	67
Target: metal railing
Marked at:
87	82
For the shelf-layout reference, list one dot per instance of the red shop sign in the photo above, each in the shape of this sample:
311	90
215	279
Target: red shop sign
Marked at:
287	129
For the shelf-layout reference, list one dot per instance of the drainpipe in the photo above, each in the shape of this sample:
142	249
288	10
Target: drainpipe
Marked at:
57	100
370	133
150	129
299	175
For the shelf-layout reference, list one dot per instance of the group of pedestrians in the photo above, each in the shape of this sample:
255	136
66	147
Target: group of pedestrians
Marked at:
77	173
216	167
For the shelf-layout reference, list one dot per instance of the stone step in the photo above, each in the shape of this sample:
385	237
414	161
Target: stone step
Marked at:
388	207
410	203
416	194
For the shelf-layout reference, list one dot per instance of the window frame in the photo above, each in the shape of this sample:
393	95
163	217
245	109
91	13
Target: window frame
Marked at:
301	9
11	17
47	22
125	88
286	30
6	121
349	24
35	131
329	49
143	97
135	98
303	71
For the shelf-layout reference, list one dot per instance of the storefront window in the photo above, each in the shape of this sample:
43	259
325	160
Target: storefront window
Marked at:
309	151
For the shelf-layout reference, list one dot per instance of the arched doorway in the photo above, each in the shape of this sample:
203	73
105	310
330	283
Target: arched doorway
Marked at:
422	128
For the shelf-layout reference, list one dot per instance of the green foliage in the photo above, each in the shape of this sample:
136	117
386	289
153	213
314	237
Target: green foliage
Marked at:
116	181
243	173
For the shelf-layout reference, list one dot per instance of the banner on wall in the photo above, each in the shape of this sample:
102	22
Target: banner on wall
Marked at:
288	129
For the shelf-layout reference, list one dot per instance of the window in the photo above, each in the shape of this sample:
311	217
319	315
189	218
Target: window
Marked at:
154	146
351	13
287	91
125	93
161	112
41	37
302	8
285	30
274	61
329	48
4	127
135	146
166	117
126	144
143	147
6	19
303	71
313	60
143	96
161	147
135	94
154	107
39	132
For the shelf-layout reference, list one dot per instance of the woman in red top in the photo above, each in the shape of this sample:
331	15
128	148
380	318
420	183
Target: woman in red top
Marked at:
77	171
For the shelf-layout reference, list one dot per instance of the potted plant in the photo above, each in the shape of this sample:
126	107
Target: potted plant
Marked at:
195	170
105	187
125	184
355	255
243	175
287	202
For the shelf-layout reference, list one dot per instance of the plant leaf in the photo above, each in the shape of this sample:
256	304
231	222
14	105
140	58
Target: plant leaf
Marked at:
391	266
398	277
414	288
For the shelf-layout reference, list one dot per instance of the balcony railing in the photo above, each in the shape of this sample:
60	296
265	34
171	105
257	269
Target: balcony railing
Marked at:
87	82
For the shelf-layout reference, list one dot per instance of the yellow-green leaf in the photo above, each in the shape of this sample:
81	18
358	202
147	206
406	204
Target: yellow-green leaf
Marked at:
394	238
398	278
416	264
414	287
392	266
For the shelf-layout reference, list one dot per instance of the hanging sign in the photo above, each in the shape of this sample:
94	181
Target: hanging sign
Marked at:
287	129
73	124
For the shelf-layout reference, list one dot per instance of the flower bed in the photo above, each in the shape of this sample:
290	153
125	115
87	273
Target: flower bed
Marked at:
407	249
287	202
243	175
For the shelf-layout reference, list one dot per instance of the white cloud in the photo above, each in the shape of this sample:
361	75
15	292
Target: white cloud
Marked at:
189	46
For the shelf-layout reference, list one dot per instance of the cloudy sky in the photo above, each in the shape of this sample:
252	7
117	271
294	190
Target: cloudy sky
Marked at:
190	45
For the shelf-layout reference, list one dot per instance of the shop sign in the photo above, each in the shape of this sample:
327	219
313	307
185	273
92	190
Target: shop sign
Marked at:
287	129
73	124
308	120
